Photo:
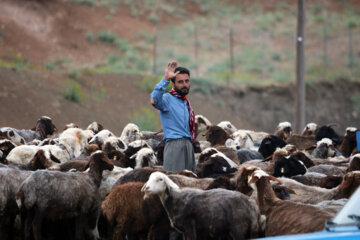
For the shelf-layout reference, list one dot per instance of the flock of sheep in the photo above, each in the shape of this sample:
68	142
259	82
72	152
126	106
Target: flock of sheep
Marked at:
90	184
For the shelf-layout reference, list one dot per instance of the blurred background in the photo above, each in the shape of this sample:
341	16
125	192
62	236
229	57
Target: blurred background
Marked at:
97	60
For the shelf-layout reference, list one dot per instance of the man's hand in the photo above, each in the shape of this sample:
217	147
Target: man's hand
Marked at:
169	70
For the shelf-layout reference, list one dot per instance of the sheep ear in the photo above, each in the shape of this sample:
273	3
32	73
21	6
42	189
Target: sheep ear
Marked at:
170	183
252	179
53	158
229	143
133	156
274	179
347	180
143	187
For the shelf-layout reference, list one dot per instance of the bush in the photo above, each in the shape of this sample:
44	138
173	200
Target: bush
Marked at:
107	37
148	83
72	91
90	37
146	119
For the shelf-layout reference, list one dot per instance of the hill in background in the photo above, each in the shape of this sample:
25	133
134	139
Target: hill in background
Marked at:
83	61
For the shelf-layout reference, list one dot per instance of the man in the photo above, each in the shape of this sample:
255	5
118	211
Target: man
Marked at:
177	118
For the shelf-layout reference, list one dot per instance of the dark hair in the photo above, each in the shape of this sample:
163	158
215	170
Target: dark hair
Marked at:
181	70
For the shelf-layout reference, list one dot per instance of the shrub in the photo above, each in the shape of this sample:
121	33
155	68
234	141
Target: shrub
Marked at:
90	37
107	37
146	119
72	91
148	83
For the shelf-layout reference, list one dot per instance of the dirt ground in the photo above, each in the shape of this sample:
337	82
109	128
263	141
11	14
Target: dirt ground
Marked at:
46	30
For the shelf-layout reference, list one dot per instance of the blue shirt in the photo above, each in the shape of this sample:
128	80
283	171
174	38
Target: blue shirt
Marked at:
174	113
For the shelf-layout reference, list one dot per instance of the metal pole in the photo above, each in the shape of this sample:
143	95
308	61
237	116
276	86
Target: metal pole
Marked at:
300	66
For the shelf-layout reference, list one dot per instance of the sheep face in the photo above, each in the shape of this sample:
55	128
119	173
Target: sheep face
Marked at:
144	157
95	127
10	134
216	135
288	167
101	137
114	144
309	130
45	126
228	127
130	133
100	158
157	184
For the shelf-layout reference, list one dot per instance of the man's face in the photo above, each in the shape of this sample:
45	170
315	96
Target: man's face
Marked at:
182	84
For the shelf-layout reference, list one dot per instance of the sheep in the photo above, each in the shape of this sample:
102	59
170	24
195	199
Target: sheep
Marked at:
245	155
269	144
348	143
12	135
216	135
298	155
43	128
283	130
354	163
5	147
288	167
11	180
114	143
137	175
72	143
228	127
70	125
201	125
302	142
331	206
110	177
313	179
309	129
130	133
329	170
95	127
100	137
144	157
215	212
41	160
216	165
324	149
327	132
313	194
283	216
58	195
242	139
122	209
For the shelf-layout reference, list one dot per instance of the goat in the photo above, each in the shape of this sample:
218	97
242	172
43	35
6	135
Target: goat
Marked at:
283	216
57	195
215	212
